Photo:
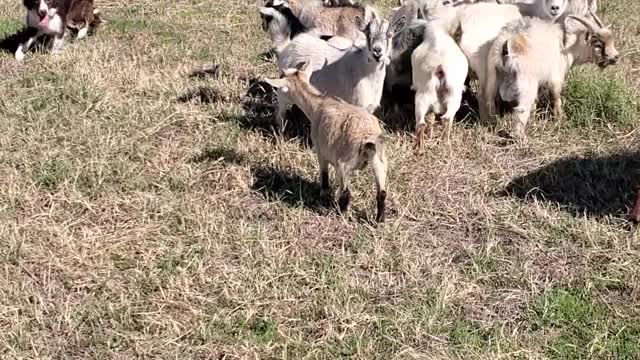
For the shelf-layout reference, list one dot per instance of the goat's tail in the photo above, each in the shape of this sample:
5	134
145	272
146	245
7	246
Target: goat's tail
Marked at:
373	149
277	26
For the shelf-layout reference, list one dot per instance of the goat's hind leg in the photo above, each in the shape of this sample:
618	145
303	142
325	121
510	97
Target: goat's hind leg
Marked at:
555	90
379	166
423	101
453	105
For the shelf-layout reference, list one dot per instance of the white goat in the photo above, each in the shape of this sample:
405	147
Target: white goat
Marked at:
545	9
439	72
531	52
344	135
356	75
480	24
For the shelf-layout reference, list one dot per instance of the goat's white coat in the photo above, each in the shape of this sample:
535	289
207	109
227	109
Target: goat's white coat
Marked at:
480	24
547	53
438	53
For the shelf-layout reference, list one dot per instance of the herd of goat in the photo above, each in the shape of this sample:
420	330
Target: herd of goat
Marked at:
337	58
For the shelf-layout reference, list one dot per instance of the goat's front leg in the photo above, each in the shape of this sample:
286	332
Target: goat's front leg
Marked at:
58	44
556	98
423	103
24	47
342	173
324	176
283	104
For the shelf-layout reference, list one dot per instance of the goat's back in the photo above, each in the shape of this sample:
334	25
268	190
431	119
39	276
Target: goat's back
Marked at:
341	129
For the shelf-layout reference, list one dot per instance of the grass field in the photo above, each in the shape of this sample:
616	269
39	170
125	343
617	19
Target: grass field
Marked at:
146	213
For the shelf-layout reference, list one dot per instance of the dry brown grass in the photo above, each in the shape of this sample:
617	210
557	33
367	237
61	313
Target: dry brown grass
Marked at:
136	225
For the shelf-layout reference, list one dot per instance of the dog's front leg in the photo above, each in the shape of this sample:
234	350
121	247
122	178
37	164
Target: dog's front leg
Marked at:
24	47
58	44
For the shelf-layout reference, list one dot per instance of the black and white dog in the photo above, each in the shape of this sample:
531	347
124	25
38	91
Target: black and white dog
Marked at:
53	18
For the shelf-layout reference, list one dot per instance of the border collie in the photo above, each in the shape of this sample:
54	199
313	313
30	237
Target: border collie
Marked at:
53	18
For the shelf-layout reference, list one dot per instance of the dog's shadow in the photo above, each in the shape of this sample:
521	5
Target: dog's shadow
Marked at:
591	185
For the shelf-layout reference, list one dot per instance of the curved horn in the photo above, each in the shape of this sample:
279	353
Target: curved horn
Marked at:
596	18
588	24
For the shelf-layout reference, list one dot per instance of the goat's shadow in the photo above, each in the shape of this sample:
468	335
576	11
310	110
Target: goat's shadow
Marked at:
591	185
290	188
273	183
260	105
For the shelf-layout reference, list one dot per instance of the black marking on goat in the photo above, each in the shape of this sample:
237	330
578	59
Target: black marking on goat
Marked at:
296	27
326	37
380	199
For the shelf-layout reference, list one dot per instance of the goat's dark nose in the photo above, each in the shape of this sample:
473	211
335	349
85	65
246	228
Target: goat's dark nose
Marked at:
555	8
377	50
42	12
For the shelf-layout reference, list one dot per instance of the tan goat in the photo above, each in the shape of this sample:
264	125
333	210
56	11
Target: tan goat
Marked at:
344	135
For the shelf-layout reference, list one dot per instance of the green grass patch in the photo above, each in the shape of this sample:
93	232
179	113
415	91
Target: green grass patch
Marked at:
582	328
9	27
51	174
596	98
156	28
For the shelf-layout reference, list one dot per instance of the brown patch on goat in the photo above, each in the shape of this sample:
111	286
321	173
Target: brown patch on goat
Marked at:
380	199
519	45
442	89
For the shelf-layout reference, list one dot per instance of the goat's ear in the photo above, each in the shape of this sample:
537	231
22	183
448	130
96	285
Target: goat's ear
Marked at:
398	25
266	12
401	2
280	84
275	3
360	24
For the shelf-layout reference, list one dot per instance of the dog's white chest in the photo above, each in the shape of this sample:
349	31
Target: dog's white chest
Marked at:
54	26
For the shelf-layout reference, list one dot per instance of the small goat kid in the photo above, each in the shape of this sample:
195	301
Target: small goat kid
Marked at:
344	135
356	75
439	72
531	52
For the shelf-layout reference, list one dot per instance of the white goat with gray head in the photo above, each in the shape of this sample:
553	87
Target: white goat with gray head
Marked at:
530	53
355	74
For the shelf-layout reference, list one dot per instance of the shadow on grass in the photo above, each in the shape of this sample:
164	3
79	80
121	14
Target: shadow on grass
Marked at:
260	105
592	185
214	153
202	94
291	189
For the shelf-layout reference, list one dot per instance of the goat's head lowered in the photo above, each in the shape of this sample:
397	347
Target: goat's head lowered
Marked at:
600	41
